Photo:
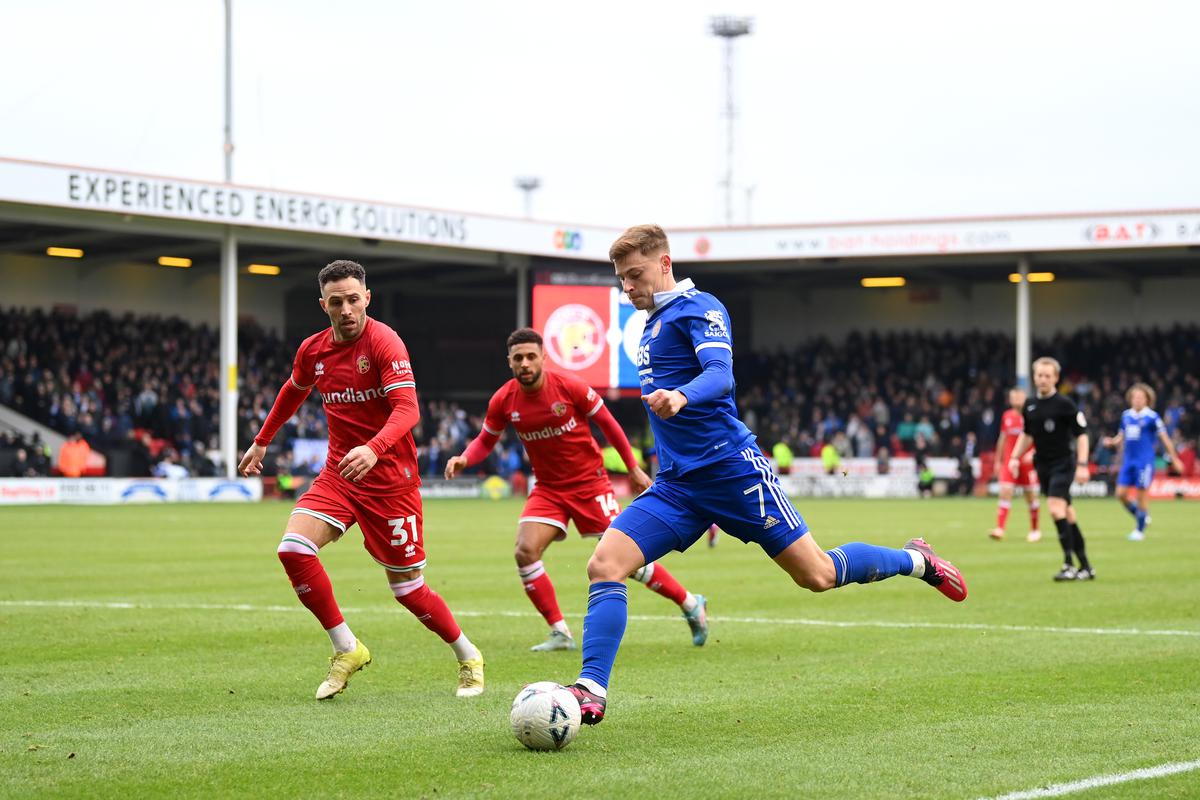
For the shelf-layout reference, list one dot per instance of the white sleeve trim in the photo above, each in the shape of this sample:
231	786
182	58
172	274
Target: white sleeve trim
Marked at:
400	385
597	407
298	386
489	430
721	345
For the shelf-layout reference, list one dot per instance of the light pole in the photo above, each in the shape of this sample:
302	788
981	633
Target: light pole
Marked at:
729	29
528	184
227	428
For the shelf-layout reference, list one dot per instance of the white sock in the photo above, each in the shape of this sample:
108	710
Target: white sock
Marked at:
593	687
463	649
918	563
341	637
644	573
689	603
561	627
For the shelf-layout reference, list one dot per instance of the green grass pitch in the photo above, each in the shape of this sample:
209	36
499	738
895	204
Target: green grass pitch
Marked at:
201	685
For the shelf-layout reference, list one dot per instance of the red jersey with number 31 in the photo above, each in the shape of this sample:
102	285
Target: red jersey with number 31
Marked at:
1012	425
354	380
552	423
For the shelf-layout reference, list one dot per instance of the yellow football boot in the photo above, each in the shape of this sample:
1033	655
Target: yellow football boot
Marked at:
470	677
342	666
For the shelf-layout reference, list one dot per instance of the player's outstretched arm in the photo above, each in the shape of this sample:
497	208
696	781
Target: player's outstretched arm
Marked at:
665	403
639	481
404	415
999	451
1082	451
476	452
291	396
251	463
1014	461
1169	447
1113	441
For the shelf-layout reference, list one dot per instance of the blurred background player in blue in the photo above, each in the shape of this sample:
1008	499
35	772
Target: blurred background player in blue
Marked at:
1140	425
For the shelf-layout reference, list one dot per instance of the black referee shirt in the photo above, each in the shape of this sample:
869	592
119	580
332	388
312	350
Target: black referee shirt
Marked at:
1054	422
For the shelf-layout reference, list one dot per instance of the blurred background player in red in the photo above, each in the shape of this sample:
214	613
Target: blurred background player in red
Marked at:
361	369
1012	424
550	412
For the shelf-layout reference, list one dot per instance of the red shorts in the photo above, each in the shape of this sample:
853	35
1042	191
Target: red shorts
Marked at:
392	525
591	509
1027	476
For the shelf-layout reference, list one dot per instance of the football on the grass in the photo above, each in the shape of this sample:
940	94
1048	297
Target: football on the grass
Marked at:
545	716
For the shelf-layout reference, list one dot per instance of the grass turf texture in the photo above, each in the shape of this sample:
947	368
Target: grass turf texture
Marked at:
195	702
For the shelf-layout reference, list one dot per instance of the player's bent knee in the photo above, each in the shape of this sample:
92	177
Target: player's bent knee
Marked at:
525	555
602	568
816	581
295	545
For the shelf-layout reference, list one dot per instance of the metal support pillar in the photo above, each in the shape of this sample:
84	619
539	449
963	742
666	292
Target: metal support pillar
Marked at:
1024	340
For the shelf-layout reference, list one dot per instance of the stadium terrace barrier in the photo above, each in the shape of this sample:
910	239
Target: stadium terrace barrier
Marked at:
114	491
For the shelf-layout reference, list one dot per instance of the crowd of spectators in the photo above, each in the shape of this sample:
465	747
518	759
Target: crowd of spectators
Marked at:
24	457
147	388
926	394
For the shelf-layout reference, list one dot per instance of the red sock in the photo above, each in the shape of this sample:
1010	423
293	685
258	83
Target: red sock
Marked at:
1033	515
1002	513
541	591
658	579
427	606
312	586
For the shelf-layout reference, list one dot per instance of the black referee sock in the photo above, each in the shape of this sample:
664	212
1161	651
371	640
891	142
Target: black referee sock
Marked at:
1066	538
1077	546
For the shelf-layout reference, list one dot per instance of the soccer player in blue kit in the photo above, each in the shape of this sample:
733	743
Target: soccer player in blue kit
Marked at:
1140	424
711	470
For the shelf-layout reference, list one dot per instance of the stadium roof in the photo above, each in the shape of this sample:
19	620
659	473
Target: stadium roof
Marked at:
123	213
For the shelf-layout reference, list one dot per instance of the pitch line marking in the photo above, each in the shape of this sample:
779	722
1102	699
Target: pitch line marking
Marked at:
1059	789
820	623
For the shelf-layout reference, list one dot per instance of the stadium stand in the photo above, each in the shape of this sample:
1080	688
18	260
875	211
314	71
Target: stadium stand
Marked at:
143	390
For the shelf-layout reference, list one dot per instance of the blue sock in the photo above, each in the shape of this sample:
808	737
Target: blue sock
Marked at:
603	627
864	563
1141	520
1133	509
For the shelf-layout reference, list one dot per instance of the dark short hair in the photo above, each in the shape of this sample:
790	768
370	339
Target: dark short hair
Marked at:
524	336
336	270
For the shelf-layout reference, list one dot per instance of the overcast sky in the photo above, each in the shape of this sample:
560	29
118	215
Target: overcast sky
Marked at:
848	110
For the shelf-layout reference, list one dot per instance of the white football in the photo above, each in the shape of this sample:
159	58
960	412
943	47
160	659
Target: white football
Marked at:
545	716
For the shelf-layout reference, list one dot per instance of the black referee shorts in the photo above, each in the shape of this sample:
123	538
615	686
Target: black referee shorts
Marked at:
1056	477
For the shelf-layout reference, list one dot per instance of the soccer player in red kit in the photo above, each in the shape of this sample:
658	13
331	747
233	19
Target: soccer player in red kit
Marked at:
550	413
1012	424
361	369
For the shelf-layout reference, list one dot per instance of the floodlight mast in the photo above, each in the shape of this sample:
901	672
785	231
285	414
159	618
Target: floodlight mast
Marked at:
528	184
227	429
729	29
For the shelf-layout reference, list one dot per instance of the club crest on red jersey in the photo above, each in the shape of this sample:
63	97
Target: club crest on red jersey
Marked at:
363	364
559	408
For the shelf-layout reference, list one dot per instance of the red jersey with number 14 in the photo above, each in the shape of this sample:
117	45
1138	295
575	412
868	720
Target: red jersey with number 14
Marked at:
354	380
1012	425
552	423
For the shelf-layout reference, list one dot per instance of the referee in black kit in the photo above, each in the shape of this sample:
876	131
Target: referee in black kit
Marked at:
1051	422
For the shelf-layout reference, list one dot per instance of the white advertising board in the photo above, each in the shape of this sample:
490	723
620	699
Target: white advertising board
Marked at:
112	491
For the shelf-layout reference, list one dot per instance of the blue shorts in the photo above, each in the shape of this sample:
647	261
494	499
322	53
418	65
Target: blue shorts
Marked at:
1139	475
740	494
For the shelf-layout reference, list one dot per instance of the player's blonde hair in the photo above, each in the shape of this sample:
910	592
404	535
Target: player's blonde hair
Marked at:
1050	362
1144	387
644	239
